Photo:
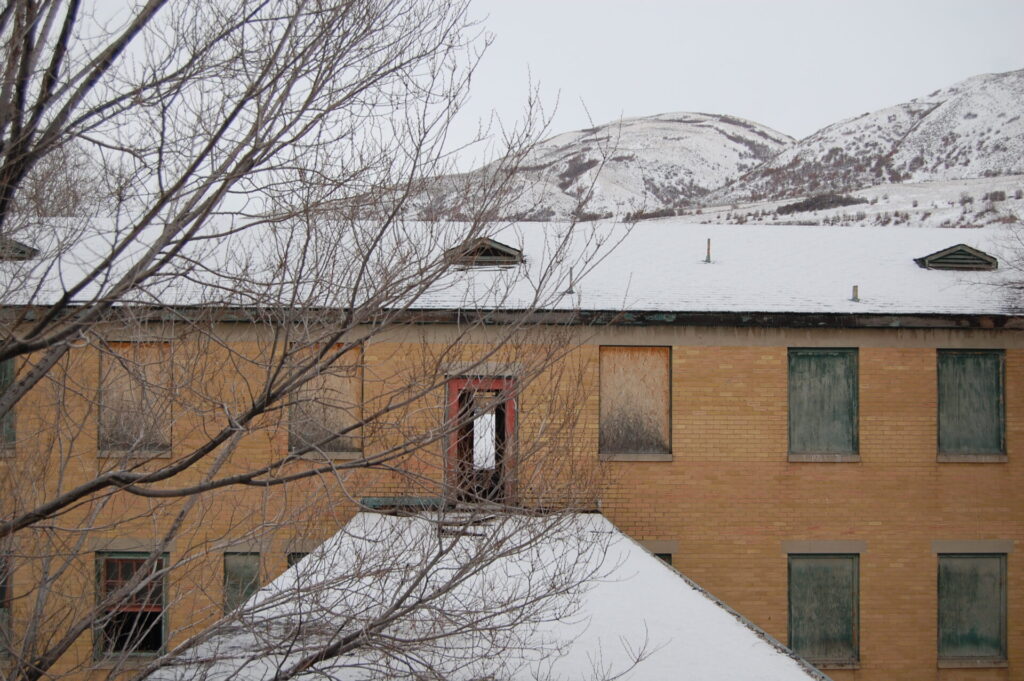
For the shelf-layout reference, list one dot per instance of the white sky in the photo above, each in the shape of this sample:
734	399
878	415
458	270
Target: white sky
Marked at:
794	65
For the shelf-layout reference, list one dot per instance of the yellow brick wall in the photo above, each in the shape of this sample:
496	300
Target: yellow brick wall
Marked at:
728	497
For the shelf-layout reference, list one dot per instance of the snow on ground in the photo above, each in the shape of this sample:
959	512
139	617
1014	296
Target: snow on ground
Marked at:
635	603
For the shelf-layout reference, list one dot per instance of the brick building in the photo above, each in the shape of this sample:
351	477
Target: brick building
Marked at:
814	426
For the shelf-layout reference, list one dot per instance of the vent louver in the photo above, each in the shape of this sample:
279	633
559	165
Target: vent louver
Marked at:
959	257
485	252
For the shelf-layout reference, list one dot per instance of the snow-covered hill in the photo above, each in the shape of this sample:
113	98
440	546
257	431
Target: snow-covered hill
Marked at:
972	129
634	165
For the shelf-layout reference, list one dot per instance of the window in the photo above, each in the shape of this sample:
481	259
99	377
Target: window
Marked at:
135	622
824	608
294	557
972	607
135	404
5	604
666	557
971	402
823	401
327	406
7	432
241	578
635	401
481	447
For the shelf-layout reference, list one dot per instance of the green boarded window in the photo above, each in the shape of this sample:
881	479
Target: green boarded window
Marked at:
970	401
823	401
241	578
7	434
972	607
824	607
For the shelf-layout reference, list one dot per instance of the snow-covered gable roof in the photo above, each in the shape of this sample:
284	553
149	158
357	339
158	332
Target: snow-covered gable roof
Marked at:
634	602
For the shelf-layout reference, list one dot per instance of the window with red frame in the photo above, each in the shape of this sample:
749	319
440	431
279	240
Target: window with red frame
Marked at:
135	623
481	448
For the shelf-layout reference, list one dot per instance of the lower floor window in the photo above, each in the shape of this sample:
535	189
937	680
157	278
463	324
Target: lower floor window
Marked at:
134	622
972	607
241	578
824	607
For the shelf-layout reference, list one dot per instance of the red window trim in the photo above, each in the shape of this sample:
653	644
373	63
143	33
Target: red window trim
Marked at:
505	385
138	601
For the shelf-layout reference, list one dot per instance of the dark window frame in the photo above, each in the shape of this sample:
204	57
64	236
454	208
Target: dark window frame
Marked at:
854	660
8	424
946	452
104	560
973	660
851	454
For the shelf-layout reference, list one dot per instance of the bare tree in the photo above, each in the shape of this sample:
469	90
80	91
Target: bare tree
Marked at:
219	332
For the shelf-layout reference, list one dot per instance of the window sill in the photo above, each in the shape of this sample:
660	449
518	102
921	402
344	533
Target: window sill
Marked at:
823	458
140	454
635	456
124	660
973	664
332	456
972	458
835	665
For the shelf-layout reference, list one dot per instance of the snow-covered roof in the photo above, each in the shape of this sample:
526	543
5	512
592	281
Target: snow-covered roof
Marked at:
630	601
655	266
661	266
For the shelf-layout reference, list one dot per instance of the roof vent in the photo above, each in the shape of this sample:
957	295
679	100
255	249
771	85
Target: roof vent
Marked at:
485	252
959	257
15	250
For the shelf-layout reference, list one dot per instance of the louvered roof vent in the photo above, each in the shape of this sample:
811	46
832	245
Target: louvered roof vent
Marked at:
959	257
485	252
11	249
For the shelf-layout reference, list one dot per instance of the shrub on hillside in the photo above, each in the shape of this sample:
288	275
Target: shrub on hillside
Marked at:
820	202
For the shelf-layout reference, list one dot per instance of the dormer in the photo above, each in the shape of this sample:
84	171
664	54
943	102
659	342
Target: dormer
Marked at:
959	257
485	252
15	250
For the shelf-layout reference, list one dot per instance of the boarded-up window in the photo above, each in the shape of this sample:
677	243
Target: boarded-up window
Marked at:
241	578
970	401
135	623
327	407
972	607
824	607
635	402
135	397
7	432
822	401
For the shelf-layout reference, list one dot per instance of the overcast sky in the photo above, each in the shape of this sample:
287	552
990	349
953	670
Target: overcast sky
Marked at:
793	65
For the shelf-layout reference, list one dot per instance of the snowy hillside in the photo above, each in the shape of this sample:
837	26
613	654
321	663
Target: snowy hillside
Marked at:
972	129
641	164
